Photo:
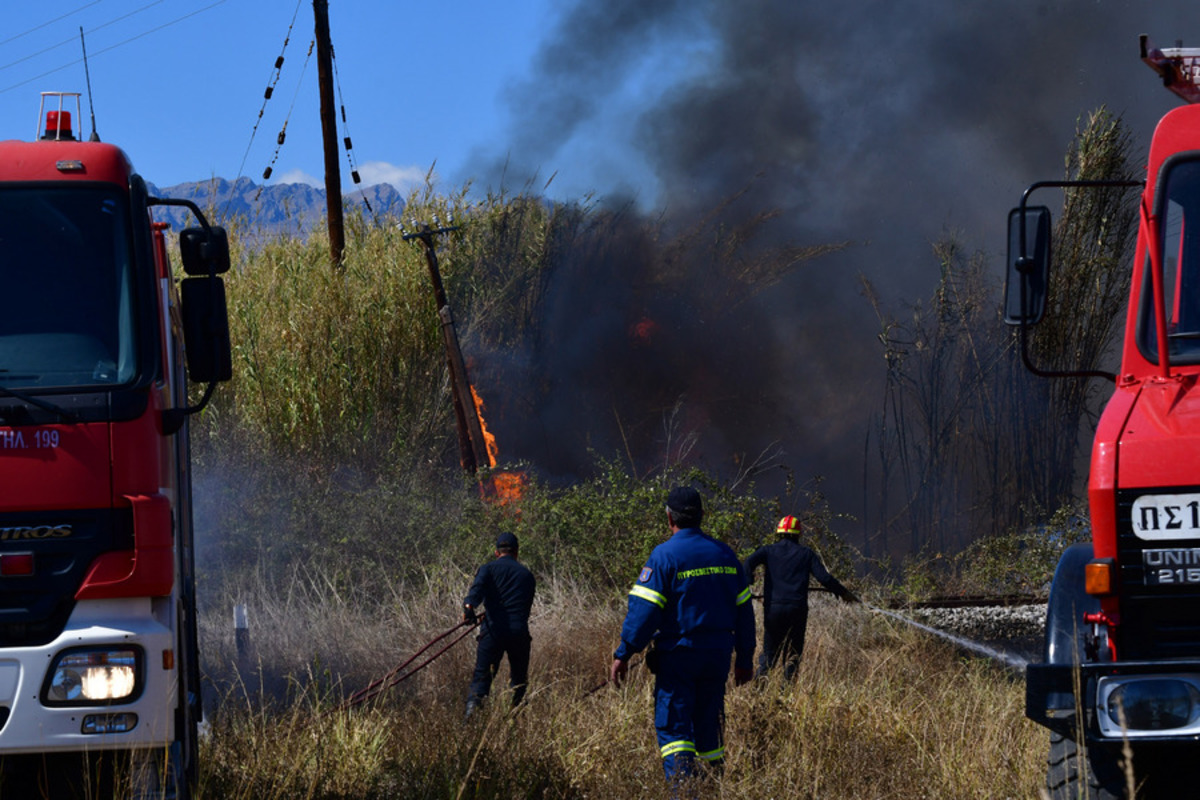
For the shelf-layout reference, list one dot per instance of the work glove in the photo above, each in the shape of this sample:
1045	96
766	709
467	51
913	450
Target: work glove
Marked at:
742	676
468	614
849	597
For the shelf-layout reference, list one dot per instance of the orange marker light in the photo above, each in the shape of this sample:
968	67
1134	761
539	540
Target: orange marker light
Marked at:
1099	577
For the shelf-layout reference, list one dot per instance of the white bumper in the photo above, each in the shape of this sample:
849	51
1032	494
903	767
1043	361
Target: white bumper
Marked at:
33	727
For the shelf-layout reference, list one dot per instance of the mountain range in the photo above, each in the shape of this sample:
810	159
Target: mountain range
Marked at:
267	210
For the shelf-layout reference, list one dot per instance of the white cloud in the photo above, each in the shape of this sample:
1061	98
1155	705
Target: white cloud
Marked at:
404	179
300	176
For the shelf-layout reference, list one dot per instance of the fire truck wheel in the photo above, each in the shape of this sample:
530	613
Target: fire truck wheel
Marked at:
159	774
187	757
1076	774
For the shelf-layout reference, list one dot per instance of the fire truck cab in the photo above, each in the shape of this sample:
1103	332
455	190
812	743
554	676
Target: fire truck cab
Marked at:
1119	687
98	341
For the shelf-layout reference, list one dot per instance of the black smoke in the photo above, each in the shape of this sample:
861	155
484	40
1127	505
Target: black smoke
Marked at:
883	124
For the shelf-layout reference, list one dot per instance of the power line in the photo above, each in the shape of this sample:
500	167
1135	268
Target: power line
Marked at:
115	46
283	131
72	39
354	176
270	90
51	22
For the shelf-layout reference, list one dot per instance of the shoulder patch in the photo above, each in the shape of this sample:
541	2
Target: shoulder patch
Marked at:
645	576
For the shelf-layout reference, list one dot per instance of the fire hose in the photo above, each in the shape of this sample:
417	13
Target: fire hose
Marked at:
1009	660
607	681
402	672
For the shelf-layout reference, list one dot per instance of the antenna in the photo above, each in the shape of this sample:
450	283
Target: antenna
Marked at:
95	137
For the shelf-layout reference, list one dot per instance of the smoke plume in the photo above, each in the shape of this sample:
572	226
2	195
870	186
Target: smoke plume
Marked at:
885	125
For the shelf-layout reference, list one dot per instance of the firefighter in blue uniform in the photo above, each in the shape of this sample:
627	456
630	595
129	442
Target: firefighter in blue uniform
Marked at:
788	565
505	588
692	601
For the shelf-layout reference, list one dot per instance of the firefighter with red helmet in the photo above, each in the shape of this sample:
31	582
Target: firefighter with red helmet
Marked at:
693	602
788	565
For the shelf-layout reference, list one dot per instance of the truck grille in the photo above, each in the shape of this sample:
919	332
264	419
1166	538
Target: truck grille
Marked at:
1157	621
34	608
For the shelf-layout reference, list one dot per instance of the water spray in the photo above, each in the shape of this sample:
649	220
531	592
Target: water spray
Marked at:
1009	660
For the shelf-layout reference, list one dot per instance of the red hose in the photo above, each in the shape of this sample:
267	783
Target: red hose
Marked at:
398	674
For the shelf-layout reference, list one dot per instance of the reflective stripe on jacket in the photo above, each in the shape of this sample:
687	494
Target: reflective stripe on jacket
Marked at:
692	592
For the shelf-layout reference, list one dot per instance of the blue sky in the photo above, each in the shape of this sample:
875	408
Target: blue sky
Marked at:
179	83
945	115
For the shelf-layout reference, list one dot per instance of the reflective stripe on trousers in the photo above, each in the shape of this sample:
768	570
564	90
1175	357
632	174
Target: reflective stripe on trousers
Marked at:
689	703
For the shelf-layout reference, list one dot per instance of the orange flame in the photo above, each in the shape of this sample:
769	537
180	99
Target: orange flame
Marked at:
643	330
489	439
508	488
504	488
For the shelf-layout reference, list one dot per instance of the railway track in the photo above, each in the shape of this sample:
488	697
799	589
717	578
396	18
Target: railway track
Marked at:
969	601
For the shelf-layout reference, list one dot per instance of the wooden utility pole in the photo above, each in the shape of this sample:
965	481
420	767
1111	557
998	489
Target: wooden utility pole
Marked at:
472	447
333	176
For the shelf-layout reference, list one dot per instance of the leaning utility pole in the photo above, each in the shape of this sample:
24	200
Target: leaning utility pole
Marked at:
472	447
333	177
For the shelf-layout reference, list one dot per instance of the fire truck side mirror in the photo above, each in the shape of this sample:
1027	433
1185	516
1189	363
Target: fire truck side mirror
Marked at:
204	251
206	329
1028	265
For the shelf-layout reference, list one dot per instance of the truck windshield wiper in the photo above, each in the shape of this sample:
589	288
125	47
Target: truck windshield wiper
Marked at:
1184	335
45	405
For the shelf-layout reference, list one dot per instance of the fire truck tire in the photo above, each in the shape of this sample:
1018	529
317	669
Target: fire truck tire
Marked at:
186	752
160	774
1075	775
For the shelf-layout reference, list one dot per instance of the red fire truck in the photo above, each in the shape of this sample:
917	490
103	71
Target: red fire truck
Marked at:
98	339
1119	688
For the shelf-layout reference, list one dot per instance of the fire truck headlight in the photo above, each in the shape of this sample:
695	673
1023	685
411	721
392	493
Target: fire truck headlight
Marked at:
1154	704
94	676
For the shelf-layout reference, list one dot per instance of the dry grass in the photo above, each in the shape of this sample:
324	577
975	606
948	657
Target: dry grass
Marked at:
877	711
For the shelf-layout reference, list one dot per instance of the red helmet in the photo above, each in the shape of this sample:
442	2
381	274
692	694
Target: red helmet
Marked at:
788	525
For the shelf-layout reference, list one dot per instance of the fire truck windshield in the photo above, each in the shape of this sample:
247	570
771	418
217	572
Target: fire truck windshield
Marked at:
1179	237
67	278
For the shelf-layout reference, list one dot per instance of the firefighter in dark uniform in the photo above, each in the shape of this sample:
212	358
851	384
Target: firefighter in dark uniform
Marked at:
504	587
785	594
693	601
